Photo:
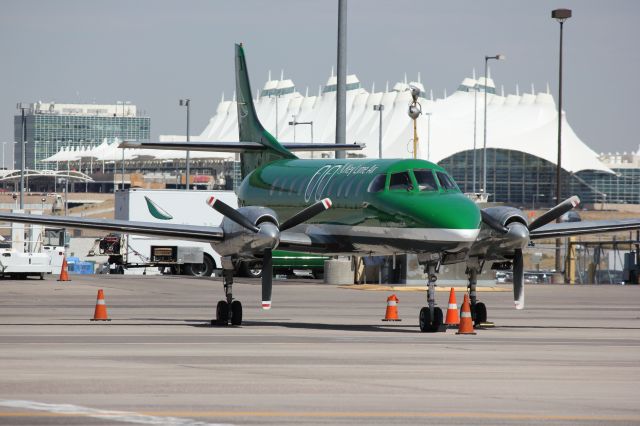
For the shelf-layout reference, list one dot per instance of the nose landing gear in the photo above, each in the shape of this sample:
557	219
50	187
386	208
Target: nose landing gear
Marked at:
431	318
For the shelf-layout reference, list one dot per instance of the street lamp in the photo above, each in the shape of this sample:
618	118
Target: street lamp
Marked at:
187	103
23	136
415	109
380	109
295	123
498	57
559	15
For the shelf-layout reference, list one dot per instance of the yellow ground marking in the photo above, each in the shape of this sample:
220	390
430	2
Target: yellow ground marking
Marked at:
348	414
400	288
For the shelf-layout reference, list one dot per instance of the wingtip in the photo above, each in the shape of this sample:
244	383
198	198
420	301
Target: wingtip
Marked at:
266	305
327	203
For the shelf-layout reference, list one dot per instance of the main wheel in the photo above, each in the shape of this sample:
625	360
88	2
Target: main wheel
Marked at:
236	313
480	313
204	269
222	313
428	326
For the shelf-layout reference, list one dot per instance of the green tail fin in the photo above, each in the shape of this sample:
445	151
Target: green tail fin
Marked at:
249	126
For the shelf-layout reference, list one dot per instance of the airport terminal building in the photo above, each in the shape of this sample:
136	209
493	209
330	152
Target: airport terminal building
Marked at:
521	137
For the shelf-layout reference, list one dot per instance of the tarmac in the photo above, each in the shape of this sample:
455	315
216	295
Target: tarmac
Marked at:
321	355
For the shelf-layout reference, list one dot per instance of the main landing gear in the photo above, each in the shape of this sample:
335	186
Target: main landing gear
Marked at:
431	319
478	309
228	311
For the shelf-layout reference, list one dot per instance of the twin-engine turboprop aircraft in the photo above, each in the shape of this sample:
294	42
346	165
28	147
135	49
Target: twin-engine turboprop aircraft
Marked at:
347	207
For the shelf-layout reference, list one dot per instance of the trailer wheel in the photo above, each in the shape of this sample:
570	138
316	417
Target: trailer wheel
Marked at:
204	269
251	269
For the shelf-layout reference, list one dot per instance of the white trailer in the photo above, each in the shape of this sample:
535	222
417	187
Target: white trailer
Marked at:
165	206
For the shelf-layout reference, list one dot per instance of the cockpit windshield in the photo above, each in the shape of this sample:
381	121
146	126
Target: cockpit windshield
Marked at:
426	180
446	182
400	181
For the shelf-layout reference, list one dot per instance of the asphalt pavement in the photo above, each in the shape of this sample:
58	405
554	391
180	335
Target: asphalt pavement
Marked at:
321	355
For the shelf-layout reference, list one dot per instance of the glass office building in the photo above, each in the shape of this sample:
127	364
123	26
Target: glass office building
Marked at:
522	179
50	127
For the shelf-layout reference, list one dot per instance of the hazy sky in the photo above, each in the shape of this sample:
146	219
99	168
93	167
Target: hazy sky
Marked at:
153	52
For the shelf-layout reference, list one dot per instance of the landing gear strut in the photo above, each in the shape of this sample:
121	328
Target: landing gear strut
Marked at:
478	309
228	311
431	319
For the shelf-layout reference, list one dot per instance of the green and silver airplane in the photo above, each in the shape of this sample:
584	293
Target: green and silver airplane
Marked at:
347	207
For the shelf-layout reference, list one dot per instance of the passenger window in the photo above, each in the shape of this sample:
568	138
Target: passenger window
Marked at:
425	179
377	184
445	181
400	181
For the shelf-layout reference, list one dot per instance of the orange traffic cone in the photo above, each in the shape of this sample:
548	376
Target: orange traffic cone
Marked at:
392	309
64	273
100	313
466	324
452	310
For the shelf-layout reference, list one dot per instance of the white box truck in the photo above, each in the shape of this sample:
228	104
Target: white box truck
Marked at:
164	206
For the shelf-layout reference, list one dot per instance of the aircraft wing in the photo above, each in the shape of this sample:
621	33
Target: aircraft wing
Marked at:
567	229
238	146
206	234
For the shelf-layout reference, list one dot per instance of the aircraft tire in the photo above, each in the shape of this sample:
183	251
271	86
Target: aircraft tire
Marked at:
222	313
480	313
236	313
426	326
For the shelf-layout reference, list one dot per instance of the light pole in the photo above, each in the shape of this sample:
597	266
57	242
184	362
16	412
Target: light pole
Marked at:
475	127
380	109
498	57
415	109
23	136
187	103
428	114
559	15
295	123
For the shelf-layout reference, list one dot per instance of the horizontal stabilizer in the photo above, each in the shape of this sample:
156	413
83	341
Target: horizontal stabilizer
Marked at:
238	146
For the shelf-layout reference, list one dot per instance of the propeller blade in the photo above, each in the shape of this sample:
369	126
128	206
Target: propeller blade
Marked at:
492	223
306	214
231	213
267	278
518	279
555	212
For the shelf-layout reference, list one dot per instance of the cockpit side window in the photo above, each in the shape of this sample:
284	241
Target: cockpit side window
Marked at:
425	179
446	182
377	184
400	182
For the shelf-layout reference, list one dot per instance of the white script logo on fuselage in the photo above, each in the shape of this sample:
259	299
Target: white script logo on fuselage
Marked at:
323	176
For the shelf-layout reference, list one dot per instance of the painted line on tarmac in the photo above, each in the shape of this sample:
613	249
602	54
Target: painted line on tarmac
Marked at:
79	411
176	418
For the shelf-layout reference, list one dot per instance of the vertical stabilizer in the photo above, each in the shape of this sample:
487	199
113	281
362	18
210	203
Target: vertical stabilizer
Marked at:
250	128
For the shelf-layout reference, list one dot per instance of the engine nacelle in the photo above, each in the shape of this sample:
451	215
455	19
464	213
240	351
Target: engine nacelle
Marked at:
241	242
507	215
